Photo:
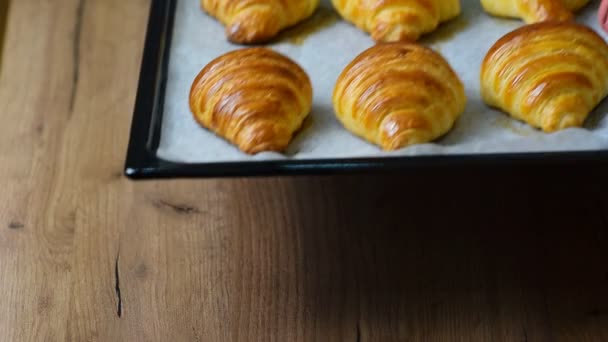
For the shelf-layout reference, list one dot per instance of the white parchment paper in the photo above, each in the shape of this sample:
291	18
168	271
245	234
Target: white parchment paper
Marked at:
323	46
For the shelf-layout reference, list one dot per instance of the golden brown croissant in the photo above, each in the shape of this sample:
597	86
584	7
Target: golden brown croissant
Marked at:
550	74
397	20
532	11
256	21
399	94
255	98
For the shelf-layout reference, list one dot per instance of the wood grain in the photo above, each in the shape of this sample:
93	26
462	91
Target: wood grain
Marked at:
86	255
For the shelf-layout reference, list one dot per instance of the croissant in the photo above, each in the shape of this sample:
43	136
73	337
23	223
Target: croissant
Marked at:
397	20
532	11
550	74
255	98
398	94
257	21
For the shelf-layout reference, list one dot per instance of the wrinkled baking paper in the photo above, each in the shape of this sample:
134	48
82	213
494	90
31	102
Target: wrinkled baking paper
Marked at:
323	46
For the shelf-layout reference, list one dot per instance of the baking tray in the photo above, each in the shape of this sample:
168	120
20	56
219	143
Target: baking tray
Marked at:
142	161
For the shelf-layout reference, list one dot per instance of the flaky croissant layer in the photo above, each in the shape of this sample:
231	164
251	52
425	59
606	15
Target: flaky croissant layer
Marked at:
255	98
397	20
257	21
399	94
532	11
550	74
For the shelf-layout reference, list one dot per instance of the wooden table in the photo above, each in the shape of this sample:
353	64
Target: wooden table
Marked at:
424	255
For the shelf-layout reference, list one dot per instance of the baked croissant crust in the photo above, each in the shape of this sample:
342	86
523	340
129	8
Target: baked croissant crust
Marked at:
550	74
255	98
257	21
397	20
398	94
533	11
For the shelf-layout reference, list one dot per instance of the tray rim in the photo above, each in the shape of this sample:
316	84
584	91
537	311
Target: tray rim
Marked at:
142	163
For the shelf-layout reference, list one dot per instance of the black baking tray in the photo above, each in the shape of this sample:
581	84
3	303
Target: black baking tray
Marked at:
143	163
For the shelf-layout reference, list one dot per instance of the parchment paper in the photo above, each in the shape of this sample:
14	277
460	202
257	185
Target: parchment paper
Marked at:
323	46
